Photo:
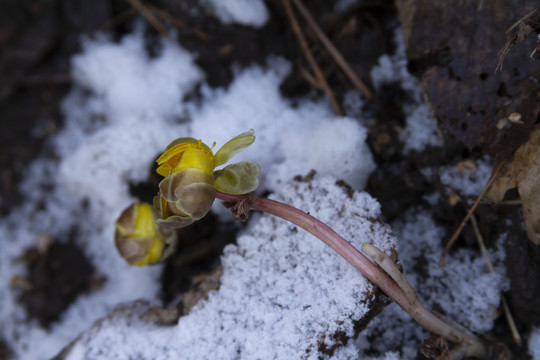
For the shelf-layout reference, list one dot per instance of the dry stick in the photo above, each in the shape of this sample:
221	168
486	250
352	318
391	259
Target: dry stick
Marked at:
177	22
310	78
340	60
119	19
514	39
506	308
432	323
471	210
511	202
149	16
310	59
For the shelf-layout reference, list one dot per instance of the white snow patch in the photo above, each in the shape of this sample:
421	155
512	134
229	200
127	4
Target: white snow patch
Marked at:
111	136
468	182
534	343
464	288
289	141
393	334
282	290
421	128
245	12
125	107
465	181
128	81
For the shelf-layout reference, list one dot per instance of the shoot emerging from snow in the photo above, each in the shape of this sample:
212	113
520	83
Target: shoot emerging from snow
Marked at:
146	235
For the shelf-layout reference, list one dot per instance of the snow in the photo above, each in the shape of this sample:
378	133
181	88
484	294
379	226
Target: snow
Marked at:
282	290
128	81
124	108
534	344
276	283
244	12
301	138
421	128
465	289
344	4
466	180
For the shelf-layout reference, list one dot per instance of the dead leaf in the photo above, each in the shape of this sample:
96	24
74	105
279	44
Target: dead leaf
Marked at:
452	46
161	316
524	173
453	198
466	165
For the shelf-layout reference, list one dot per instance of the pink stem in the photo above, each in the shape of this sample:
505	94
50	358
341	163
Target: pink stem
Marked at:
374	274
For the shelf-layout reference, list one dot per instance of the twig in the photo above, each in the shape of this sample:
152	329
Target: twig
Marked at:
431	322
177	22
511	202
119	19
480	241
149	16
510	321
309	56
340	60
526	26
310	78
506	308
471	210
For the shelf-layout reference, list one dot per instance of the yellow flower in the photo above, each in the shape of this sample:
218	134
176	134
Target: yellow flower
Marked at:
188	190
139	240
185	153
189	153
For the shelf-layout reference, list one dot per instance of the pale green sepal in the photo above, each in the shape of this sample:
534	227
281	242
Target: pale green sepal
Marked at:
239	178
175	221
233	146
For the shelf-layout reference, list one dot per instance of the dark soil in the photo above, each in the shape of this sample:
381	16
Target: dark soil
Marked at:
56	276
37	39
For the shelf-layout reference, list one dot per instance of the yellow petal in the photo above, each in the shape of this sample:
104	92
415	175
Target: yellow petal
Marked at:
196	157
172	157
154	254
144	222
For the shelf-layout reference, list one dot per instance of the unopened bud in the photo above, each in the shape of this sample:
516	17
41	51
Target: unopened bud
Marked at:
185	196
139	240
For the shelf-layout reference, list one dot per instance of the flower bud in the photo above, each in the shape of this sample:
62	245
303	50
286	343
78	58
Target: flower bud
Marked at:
187	192
139	240
185	196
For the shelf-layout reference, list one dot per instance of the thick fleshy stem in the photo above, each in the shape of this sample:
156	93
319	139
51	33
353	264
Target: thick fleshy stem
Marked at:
430	321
